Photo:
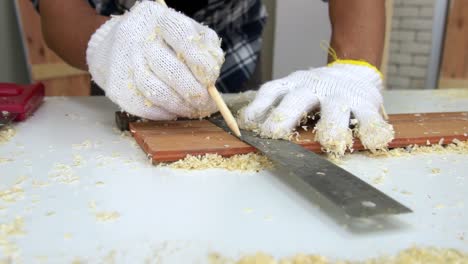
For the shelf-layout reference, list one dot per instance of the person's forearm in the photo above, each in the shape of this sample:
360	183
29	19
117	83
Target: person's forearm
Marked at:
358	29
67	27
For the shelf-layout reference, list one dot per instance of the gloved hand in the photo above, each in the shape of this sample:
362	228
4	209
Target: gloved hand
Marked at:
341	88
156	63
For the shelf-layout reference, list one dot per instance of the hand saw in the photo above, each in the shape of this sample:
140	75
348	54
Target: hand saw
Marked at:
356	197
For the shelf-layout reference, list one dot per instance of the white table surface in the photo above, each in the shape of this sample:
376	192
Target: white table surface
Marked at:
177	216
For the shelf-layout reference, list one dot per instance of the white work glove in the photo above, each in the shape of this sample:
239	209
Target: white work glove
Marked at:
342	88
156	63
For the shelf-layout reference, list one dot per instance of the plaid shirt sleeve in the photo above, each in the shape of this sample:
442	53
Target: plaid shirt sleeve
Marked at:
240	24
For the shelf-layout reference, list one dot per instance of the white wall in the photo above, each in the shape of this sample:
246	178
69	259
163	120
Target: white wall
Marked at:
13	65
300	26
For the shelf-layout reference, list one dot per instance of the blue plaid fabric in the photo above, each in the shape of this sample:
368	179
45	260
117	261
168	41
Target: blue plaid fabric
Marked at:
238	22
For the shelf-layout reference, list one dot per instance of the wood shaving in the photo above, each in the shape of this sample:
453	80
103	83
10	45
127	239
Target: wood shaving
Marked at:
39	184
77	161
423	255
103	216
12	194
336	143
14	228
248	210
378	180
257	259
5	160
110	258
441	141
78	261
7	232
20	180
81	146
412	255
92	205
41	259
6	134
457	147
63	173
107	216
246	162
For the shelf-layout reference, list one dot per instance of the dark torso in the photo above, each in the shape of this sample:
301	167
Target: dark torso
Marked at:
187	7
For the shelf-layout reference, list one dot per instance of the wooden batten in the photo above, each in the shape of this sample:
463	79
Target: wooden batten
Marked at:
44	65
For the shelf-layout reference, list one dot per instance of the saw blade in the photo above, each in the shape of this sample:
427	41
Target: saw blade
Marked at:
356	197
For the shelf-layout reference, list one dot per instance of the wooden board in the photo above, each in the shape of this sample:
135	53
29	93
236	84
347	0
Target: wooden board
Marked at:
44	65
453	83
173	140
388	33
454	69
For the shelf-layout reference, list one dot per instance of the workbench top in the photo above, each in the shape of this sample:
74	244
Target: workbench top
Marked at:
87	192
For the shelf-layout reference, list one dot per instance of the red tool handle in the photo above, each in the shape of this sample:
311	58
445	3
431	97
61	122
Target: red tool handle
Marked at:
10	89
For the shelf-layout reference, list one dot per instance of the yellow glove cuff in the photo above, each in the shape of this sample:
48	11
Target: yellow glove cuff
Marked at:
358	63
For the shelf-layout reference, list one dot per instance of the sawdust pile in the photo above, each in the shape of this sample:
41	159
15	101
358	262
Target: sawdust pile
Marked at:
257	162
247	162
456	147
6	134
412	255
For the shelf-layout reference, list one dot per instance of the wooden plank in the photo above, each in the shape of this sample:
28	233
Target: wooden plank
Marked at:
455	54
166	141
50	71
43	62
453	83
69	86
388	32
